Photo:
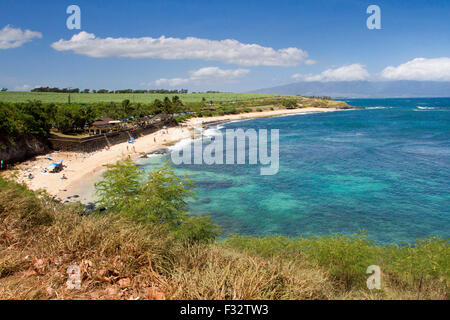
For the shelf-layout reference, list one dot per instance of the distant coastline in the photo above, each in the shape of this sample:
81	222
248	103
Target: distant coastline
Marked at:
364	89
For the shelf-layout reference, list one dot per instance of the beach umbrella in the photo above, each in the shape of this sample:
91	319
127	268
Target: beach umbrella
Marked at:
52	166
55	166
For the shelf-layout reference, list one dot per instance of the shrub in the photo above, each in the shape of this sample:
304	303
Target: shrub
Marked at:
159	197
289	104
197	229
423	267
427	259
347	257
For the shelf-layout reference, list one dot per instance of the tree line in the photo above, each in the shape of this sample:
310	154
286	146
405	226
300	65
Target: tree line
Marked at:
37	119
31	118
78	90
319	97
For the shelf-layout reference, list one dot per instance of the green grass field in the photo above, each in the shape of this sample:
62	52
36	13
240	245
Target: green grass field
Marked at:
45	97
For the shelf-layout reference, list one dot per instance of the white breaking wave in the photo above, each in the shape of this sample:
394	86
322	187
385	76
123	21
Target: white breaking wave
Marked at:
151	155
425	108
212	132
180	144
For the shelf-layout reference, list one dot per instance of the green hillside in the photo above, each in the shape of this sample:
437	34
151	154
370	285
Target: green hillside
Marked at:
50	97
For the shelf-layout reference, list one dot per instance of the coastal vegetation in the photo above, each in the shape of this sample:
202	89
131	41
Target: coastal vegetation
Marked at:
33	118
25	127
124	252
159	197
38	118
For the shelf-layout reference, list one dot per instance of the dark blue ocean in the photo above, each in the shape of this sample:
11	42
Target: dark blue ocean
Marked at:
384	170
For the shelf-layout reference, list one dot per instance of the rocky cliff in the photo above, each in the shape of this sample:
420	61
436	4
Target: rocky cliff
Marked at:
21	148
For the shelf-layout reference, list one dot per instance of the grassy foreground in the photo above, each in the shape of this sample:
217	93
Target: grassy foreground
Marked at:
120	258
51	97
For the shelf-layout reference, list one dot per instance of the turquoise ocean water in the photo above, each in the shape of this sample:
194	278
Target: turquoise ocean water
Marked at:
384	169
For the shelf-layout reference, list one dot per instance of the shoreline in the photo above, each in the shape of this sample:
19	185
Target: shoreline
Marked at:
84	169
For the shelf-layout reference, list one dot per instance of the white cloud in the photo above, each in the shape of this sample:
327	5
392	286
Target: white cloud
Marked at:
352	72
310	62
174	82
218	74
209	74
420	69
227	51
14	37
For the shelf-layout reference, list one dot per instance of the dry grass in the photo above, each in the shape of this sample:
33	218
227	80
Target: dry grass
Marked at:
217	273
120	259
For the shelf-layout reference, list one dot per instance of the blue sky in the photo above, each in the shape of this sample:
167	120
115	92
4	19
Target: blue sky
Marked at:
333	34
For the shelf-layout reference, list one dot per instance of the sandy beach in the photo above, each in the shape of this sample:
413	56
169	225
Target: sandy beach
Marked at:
84	169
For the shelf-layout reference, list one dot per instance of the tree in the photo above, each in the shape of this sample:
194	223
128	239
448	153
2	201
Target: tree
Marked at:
176	101
167	106
159	196
290	104
158	105
127	109
197	229
119	185
31	118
